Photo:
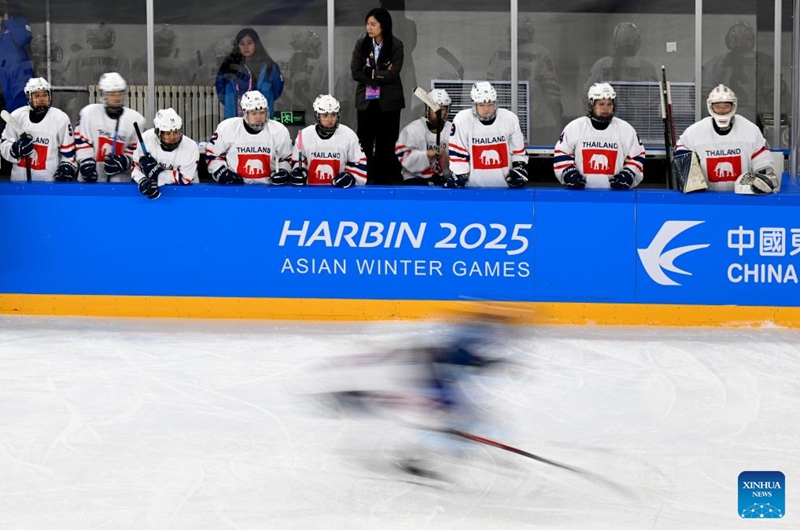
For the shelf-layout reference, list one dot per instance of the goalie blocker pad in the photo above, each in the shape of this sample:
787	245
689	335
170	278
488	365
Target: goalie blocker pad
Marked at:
760	183
687	170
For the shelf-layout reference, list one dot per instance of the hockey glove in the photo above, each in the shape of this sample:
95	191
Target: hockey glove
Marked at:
455	181
150	168
88	170
225	176
116	164
764	183
65	172
518	175
573	179
22	147
344	180
299	176
149	188
622	180
280	177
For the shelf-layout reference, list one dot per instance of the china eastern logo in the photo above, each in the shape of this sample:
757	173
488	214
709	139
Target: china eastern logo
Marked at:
656	259
762	495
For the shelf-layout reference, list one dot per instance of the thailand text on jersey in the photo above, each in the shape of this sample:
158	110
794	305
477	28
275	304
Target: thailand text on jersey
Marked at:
599	154
94	137
485	152
326	158
254	157
180	164
53	144
724	157
412	149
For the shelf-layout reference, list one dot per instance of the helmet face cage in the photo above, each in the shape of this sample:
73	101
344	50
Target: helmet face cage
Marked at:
37	84
326	104
167	120
626	40
483	92
111	82
722	94
254	101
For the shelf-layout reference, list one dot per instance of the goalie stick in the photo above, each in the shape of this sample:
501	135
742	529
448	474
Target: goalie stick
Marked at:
426	98
20	132
669	127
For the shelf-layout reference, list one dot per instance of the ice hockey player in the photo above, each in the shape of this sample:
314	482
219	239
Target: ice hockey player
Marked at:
252	149
599	150
167	156
486	146
48	144
104	135
328	153
423	160
733	153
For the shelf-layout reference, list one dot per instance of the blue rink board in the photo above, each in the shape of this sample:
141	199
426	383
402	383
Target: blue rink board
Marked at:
535	244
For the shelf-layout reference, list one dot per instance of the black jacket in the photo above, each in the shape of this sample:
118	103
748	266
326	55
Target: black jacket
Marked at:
392	97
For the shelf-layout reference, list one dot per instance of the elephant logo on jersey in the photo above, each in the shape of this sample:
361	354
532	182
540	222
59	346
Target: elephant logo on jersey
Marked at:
105	147
724	168
323	171
253	166
599	161
491	156
38	158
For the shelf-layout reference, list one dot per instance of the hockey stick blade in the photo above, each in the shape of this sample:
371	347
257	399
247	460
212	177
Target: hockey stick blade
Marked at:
9	119
445	54
426	98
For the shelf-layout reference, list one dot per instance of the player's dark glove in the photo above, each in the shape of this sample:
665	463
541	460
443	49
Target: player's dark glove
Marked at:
88	170
280	177
455	181
299	176
149	188
518	176
225	176
344	180
150	168
116	164
622	180
22	147
573	179
65	172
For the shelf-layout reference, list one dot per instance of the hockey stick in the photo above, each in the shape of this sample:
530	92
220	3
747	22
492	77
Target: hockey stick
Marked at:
426	98
445	54
139	136
20	132
669	141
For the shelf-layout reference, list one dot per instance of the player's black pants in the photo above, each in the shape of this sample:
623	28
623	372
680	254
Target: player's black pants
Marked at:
380	129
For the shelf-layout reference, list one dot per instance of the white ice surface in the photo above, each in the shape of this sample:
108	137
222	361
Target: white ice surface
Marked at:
158	424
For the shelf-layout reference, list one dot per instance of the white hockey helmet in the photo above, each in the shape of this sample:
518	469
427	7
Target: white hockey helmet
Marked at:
483	92
326	104
441	98
253	101
600	92
167	120
721	94
38	84
111	82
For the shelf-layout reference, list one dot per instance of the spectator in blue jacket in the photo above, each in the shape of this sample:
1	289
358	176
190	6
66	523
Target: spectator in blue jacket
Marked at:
15	65
248	67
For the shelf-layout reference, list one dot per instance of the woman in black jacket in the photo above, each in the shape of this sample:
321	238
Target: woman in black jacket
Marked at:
375	66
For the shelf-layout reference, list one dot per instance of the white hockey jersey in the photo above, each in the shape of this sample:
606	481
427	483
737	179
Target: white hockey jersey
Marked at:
485	152
326	158
254	157
53	144
598	154
180	163
412	149
724	157
94	137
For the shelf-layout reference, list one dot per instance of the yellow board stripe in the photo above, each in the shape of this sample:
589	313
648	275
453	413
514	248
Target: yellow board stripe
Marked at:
363	310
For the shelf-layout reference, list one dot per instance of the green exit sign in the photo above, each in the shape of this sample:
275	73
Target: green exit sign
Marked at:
290	117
